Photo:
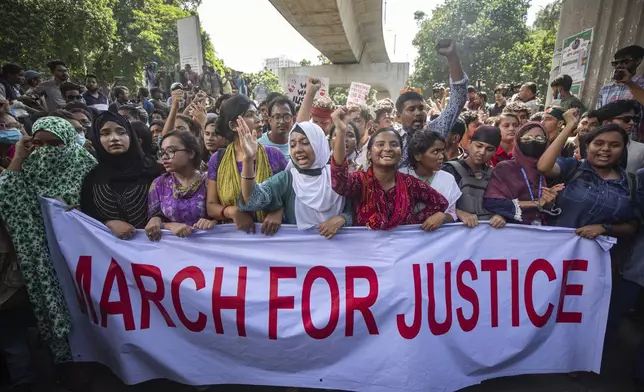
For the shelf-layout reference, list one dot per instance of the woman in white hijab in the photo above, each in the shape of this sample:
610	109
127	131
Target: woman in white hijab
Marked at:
304	189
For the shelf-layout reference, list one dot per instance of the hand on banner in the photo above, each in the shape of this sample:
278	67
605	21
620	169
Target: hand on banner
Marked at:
180	230
497	221
272	222
205	224
433	222
122	230
469	220
153	229
244	222
330	228
313	86
247	138
591	231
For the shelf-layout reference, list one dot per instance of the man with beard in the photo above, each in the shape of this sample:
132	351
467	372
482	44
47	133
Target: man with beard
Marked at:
50	89
93	96
281	112
528	95
412	109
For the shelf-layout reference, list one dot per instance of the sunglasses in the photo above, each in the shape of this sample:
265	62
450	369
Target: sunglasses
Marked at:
627	119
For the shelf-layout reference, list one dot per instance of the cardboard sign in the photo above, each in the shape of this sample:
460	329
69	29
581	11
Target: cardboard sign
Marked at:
358	94
296	88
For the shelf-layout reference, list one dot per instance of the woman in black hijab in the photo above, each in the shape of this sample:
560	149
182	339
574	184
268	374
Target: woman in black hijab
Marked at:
116	191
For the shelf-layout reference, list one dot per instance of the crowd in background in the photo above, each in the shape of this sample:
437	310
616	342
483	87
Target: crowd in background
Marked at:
191	151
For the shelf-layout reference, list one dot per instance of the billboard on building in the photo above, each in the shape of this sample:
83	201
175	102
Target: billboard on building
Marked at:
190	48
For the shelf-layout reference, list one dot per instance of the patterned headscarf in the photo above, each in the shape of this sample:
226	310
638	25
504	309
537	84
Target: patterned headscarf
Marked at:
58	171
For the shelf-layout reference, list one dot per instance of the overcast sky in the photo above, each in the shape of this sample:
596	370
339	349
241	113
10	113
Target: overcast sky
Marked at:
265	33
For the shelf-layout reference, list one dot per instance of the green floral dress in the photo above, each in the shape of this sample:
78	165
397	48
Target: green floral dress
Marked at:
55	172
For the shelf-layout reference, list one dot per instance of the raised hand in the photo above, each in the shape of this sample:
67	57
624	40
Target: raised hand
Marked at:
446	47
338	116
248	139
313	86
571	116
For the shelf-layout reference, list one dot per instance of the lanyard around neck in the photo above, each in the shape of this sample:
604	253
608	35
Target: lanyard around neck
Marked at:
527	183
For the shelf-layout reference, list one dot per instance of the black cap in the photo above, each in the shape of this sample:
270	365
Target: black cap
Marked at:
488	134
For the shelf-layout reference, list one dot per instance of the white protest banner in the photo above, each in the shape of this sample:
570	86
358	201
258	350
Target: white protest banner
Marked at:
378	311
296	88
358	94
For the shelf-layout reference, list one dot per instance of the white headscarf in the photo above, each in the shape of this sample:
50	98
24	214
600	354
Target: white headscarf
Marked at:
316	201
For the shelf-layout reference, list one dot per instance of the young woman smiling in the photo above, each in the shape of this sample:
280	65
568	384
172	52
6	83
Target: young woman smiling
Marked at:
426	155
384	198
304	191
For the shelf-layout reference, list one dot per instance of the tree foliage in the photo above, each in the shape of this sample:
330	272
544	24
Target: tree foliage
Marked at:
483	31
266	78
106	37
531	60
305	63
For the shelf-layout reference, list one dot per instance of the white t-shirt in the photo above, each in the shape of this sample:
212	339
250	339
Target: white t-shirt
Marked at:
445	184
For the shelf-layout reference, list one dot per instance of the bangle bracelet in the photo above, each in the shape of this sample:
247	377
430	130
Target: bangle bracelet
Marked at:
248	178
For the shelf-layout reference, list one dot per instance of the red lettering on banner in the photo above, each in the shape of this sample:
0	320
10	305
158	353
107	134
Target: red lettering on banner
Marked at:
320	272
493	266
237	302
434	326
123	306
468	294
84	285
514	271
276	302
361	304
197	276
570	289
536	266
156	296
410	332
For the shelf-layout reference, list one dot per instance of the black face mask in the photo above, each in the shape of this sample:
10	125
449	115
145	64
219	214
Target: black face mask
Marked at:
532	149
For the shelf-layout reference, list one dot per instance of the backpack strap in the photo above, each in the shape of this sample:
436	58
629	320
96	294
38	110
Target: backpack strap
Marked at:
574	174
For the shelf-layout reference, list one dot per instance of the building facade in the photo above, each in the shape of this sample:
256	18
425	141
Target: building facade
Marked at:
275	63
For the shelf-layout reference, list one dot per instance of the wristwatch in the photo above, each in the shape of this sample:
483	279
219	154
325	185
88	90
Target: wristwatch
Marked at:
608	227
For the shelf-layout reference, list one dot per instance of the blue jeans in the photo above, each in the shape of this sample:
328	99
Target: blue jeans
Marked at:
14	344
624	298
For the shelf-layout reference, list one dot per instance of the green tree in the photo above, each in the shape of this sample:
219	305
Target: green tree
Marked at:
419	16
266	78
305	63
531	60
323	60
483	32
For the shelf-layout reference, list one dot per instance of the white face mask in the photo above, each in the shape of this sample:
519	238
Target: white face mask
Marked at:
80	139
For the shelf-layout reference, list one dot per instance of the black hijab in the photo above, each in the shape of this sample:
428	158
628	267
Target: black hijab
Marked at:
132	165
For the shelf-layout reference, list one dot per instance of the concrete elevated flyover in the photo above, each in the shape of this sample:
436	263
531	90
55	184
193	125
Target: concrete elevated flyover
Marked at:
345	31
384	77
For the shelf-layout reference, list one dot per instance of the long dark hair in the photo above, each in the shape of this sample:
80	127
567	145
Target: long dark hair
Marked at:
230	110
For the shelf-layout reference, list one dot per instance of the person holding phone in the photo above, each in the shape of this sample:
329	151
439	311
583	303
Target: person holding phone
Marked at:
625	64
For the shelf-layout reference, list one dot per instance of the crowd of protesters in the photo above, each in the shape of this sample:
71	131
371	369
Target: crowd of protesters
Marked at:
192	151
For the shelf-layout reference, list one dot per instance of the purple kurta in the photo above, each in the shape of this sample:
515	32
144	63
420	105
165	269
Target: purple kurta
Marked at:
172	202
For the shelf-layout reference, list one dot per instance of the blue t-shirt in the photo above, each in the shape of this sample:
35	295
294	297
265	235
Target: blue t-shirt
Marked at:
284	148
589	199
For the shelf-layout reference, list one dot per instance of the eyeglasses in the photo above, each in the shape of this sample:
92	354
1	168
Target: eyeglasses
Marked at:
627	119
529	138
169	153
280	117
5	126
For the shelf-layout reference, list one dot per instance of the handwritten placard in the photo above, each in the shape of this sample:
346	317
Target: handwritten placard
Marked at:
358	93
296	88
